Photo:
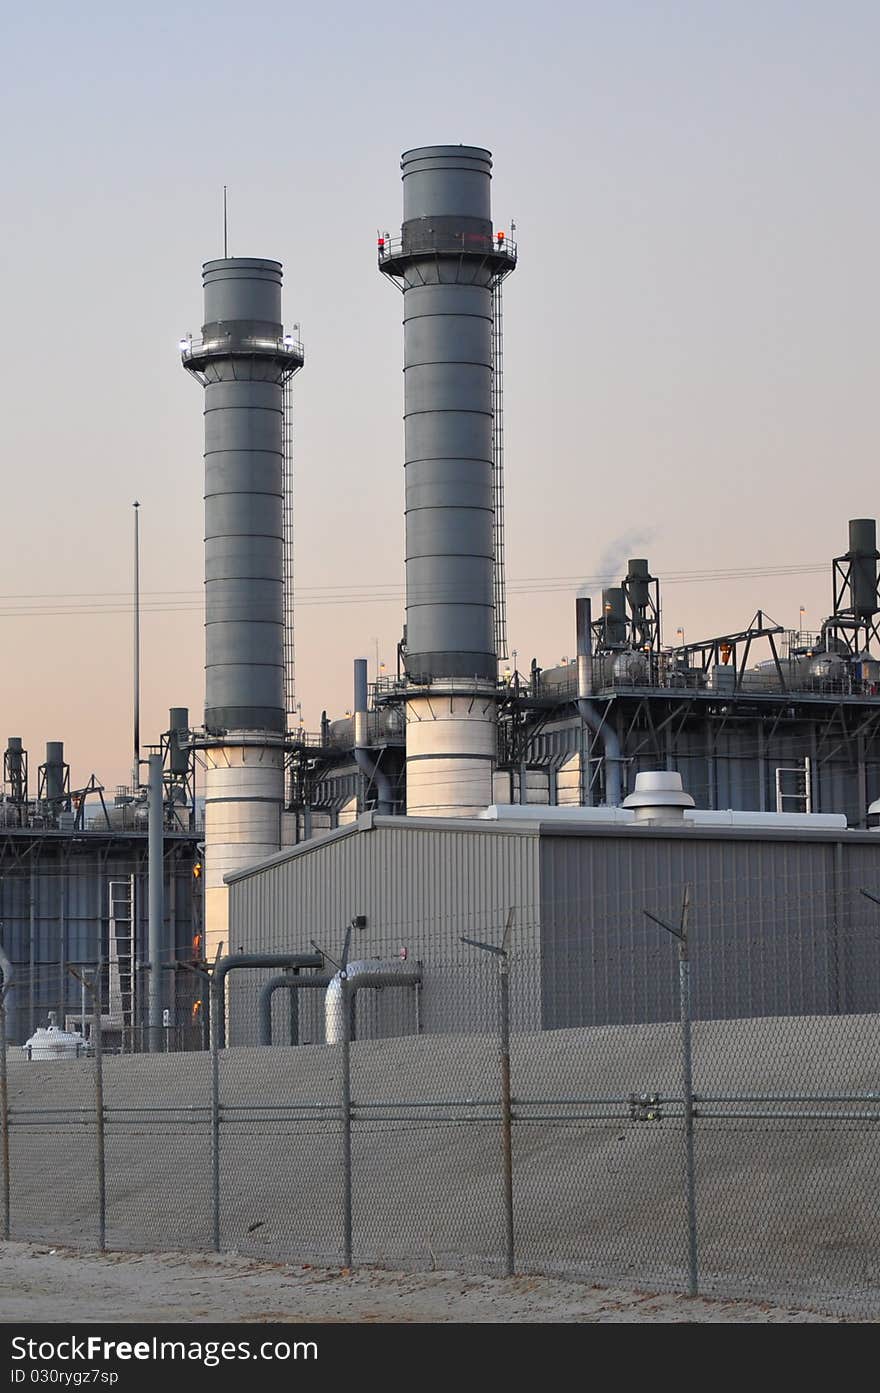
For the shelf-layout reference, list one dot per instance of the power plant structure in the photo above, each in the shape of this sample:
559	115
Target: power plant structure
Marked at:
766	722
75	903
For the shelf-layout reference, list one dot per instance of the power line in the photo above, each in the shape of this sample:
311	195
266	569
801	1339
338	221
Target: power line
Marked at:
364	594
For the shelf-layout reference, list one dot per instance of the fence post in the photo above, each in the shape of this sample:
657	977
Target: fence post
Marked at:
99	1115
215	1140
345	1100
4	1112
506	1099
687	1072
684	979
506	1112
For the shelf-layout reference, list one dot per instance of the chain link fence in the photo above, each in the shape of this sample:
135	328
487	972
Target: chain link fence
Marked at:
735	1156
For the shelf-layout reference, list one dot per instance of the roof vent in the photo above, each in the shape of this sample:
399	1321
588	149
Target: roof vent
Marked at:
659	797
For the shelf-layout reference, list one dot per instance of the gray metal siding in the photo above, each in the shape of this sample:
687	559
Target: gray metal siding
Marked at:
778	924
421	889
776	927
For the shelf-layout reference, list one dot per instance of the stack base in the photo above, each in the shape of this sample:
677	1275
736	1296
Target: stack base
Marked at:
451	750
244	798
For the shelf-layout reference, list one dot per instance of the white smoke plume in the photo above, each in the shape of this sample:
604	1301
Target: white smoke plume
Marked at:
611	566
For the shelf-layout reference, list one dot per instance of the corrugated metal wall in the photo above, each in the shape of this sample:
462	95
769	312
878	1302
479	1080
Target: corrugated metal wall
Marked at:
778	924
421	890
777	927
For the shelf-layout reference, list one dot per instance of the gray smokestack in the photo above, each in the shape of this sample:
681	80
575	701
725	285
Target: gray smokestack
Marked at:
243	361
448	411
447	263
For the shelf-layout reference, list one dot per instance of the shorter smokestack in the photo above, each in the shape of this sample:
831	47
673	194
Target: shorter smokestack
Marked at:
584	620
54	787
178	731
361	731
863	556
364	758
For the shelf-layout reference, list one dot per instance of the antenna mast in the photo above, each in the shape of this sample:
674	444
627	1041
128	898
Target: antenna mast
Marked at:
136	768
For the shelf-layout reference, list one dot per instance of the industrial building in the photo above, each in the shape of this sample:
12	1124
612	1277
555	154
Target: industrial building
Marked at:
74	903
383	813
778	923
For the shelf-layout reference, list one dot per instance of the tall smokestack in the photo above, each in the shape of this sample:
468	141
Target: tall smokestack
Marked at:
447	263
243	361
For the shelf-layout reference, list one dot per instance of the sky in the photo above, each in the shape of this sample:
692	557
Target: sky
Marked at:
690	334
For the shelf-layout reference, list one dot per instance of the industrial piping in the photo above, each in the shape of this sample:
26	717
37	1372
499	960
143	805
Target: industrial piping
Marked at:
156	897
343	989
596	720
232	963
446	264
243	360
366	761
295	984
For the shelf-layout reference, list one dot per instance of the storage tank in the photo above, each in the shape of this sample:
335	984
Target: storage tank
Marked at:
53	1044
827	668
631	668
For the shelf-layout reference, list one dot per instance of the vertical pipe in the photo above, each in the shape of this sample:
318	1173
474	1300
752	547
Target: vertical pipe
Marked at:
345	1082
506	1113
99	1113
4	1110
293	1014
156	888
215	1139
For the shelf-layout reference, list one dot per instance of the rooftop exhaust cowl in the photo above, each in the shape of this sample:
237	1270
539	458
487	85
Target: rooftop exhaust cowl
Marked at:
658	797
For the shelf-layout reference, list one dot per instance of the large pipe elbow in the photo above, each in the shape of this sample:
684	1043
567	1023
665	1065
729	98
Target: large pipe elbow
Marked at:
345	985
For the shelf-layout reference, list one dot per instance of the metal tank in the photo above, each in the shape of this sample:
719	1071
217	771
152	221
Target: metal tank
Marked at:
447	262
243	360
613	617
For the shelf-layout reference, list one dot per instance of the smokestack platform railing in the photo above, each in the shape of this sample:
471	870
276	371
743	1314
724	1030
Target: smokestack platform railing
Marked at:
286	349
498	250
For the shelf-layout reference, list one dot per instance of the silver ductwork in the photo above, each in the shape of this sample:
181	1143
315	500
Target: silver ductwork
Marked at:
345	985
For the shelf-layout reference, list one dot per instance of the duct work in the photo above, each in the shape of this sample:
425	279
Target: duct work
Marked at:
447	263
243	361
343	988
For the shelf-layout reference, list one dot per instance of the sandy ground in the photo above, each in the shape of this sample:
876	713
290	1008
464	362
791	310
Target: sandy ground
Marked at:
60	1285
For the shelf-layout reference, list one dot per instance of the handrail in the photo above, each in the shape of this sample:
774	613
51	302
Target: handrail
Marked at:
285	345
390	248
